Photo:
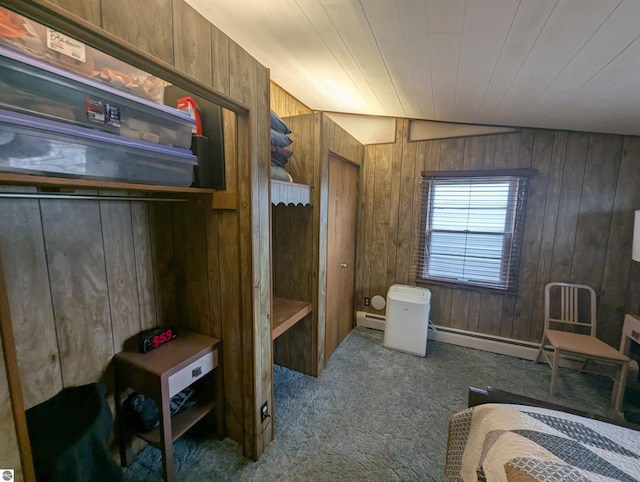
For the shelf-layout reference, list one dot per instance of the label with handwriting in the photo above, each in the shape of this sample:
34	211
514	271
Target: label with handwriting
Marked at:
65	45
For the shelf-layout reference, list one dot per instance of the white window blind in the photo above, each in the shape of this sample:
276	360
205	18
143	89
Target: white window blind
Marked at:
472	229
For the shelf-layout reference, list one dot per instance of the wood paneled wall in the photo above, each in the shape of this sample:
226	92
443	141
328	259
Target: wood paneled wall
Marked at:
9	452
578	224
300	235
85	275
284	104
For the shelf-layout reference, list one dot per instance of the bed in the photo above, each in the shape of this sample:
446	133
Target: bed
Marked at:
506	437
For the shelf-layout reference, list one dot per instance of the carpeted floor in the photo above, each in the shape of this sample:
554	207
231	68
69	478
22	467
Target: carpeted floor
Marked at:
374	414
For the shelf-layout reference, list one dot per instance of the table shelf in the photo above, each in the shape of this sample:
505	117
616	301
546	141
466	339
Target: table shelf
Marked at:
180	423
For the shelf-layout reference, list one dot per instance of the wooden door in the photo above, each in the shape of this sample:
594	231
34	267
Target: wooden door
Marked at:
341	251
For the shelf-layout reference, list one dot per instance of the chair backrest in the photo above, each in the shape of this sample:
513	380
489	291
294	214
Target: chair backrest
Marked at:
570	304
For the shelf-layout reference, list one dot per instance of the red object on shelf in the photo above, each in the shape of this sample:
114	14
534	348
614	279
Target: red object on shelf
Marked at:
189	105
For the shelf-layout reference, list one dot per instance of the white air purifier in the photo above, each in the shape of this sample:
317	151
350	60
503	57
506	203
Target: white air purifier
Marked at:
407	318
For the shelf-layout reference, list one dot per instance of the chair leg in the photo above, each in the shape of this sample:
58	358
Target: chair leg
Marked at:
554	371
540	350
620	385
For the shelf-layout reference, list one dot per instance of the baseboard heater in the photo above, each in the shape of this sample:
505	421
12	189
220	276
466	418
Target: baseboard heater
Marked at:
481	341
368	320
498	344
469	339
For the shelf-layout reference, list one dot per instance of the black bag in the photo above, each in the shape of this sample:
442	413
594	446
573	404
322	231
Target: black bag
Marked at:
144	414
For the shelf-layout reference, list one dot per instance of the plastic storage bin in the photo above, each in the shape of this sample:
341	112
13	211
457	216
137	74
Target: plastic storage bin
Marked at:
60	50
37	88
407	319
32	145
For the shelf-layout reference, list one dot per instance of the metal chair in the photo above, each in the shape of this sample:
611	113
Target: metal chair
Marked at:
569	311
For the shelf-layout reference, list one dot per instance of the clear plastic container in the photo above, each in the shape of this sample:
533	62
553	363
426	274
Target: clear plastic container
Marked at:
35	40
32	145
30	86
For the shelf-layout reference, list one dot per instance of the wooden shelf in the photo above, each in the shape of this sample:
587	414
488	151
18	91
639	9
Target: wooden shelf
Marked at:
180	423
286	313
205	197
283	192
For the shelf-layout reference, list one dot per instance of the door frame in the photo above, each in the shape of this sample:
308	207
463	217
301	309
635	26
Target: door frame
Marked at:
358	167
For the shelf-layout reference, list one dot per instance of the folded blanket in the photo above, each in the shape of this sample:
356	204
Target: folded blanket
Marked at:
278	124
280	155
279	139
280	174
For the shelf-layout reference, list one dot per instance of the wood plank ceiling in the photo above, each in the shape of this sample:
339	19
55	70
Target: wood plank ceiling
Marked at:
564	64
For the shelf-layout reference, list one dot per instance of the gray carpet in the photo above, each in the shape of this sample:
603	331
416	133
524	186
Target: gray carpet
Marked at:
374	414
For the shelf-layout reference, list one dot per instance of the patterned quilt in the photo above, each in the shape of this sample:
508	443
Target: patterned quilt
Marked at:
497	442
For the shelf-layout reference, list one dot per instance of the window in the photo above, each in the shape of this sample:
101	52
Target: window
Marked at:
472	226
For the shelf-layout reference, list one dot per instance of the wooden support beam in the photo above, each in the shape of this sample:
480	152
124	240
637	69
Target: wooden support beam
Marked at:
13	381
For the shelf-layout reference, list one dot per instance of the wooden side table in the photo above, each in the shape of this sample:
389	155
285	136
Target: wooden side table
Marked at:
160	374
630	331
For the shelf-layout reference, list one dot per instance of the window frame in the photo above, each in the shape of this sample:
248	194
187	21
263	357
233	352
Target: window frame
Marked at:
512	237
